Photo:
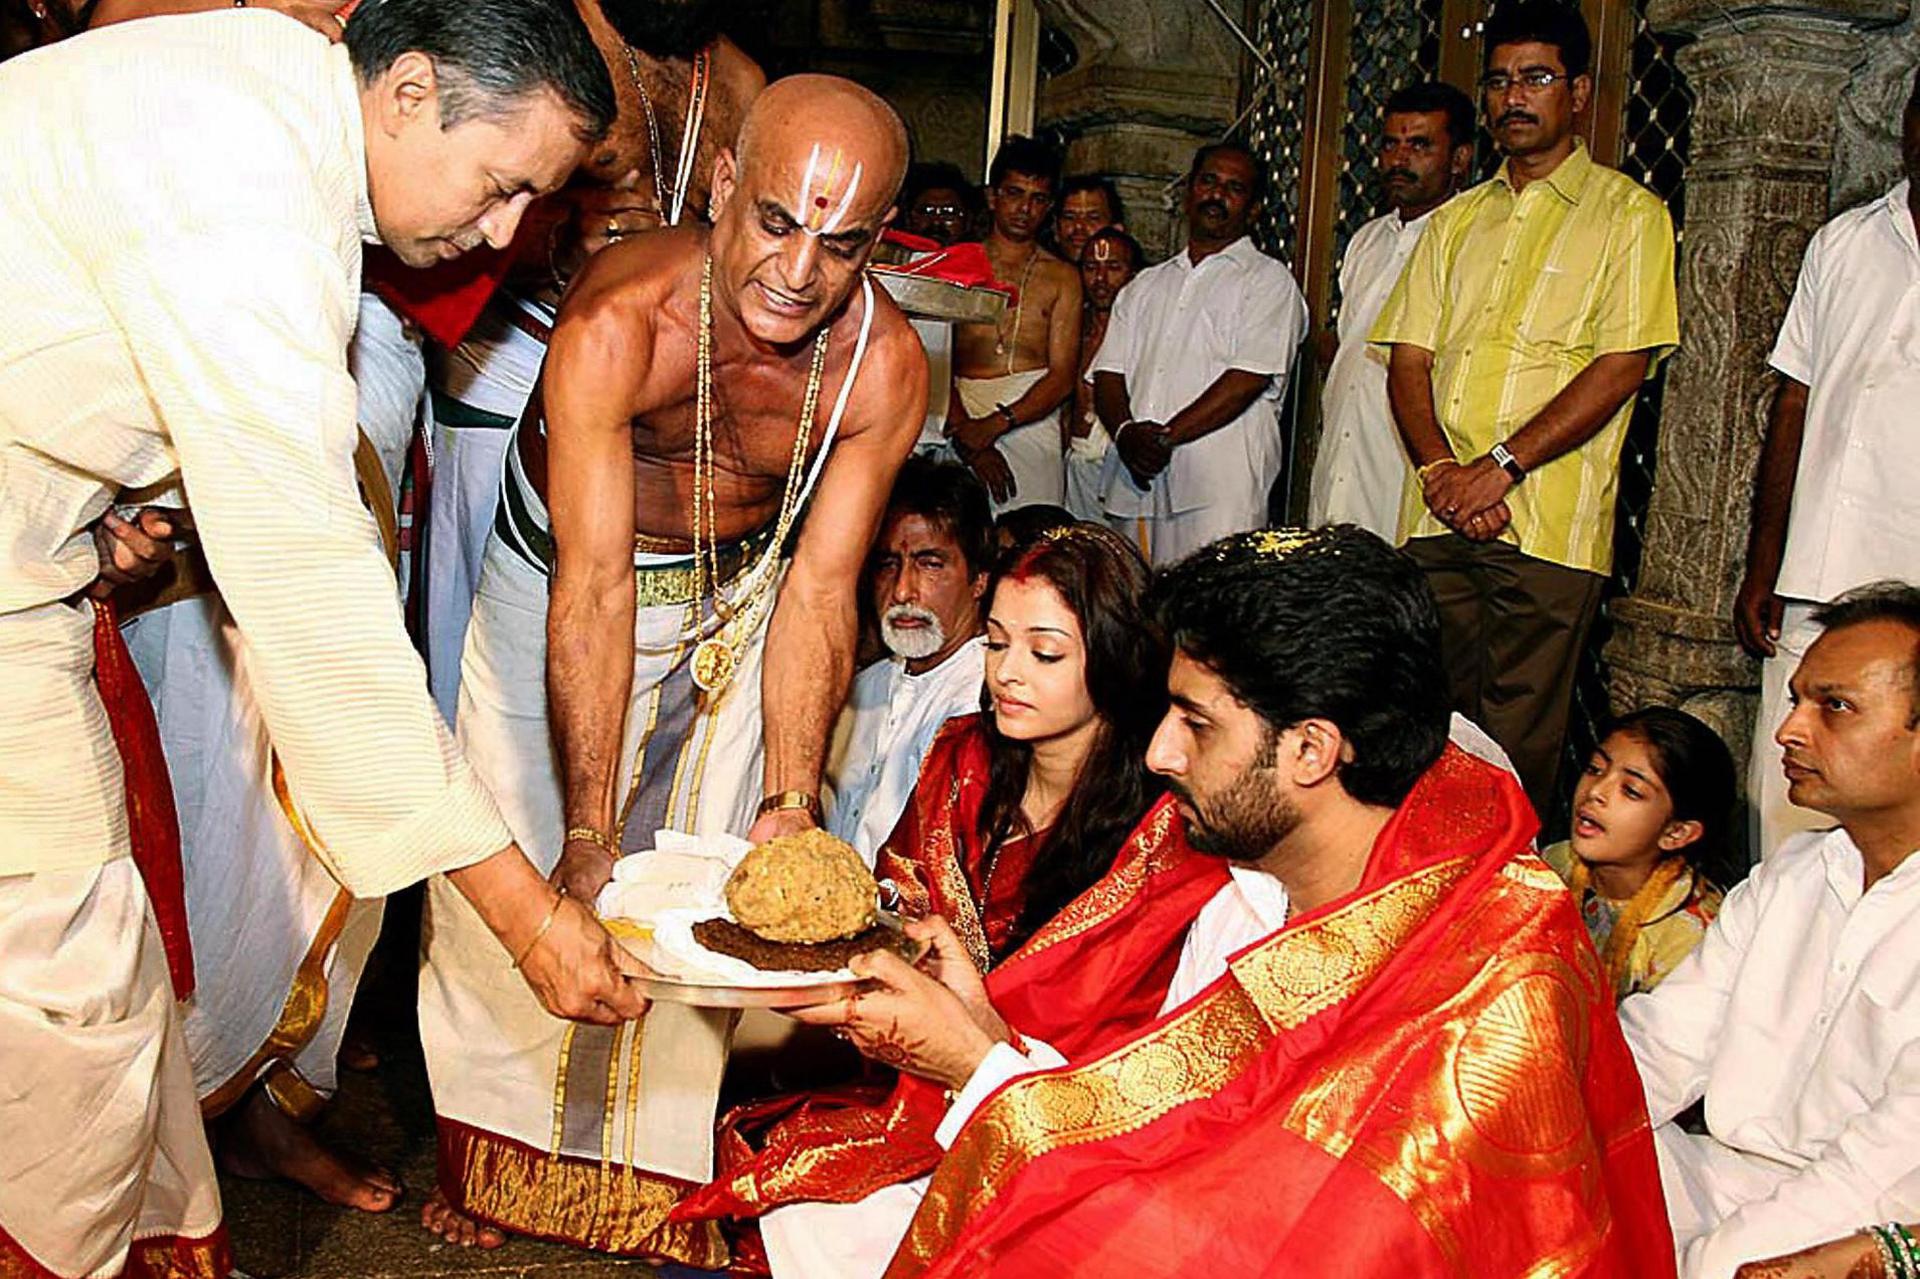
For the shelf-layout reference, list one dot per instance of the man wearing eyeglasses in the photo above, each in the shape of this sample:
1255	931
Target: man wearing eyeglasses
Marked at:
1527	319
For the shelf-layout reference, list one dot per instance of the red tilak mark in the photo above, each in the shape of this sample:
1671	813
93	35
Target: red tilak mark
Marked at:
819	201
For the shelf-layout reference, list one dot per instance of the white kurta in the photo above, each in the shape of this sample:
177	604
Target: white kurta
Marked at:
1360	473
1852	335
256	899
892	719
1175	329
181	222
1798	1019
850	1241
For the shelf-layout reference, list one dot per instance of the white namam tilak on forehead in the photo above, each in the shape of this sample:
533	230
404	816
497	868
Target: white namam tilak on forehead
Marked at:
812	208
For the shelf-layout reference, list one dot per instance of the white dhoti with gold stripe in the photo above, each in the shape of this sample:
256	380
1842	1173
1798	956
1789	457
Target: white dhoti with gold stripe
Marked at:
583	1133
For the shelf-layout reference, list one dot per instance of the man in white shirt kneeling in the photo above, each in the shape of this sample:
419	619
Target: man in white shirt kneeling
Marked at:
1796	1018
928	575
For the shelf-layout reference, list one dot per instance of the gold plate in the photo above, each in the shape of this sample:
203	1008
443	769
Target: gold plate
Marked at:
924	297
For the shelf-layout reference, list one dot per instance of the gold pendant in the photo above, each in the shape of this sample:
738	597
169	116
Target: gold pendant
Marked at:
713	665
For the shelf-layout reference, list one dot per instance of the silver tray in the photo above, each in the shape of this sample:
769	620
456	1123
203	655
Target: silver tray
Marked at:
927	298
679	990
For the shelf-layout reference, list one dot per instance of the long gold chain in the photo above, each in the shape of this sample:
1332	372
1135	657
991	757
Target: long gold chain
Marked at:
716	658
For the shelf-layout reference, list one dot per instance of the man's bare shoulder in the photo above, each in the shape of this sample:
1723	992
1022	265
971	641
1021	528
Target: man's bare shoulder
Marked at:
1055	273
625	285
895	373
737	78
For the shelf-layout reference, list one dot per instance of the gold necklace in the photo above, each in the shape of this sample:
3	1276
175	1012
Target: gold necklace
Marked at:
1007	340
653	129
716	658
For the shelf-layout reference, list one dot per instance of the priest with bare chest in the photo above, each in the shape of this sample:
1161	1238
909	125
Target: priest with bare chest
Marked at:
663	634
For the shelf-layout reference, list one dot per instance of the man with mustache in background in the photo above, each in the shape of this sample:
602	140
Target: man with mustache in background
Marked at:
1189	379
927	576
1531	312
1426	154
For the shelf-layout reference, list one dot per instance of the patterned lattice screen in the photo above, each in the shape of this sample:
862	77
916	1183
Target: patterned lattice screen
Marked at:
1654	141
1394	43
1283	30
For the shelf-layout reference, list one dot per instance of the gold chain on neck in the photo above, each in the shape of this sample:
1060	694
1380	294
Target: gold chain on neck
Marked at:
717	657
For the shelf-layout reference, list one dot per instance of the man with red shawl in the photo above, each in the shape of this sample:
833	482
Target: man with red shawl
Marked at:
1348	1025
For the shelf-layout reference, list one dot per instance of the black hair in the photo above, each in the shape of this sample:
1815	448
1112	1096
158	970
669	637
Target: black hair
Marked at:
490	55
1080	182
1212	149
1025	525
665	28
1330	624
1883	601
1120	237
1541	22
935	175
1436	95
1696	768
950	496
1103	581
1021	154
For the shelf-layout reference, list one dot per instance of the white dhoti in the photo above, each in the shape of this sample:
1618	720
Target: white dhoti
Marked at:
479	390
1086	473
278	945
588	1134
591	1134
1167	537
1032	451
103	1160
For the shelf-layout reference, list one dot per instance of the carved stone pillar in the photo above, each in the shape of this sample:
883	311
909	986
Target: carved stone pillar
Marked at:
1152	83
1765	79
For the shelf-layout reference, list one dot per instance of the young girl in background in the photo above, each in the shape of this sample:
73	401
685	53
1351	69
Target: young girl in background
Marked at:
1650	812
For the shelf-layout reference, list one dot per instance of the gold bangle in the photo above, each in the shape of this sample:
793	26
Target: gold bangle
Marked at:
592	836
553	913
790	799
1422	473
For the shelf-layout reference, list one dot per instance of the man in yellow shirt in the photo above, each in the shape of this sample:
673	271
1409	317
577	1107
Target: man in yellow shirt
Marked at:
1527	319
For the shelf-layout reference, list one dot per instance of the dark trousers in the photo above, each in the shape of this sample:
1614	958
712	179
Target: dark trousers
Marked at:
1512	629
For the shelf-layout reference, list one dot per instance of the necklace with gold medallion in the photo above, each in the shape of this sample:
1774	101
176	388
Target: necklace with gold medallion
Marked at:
717	658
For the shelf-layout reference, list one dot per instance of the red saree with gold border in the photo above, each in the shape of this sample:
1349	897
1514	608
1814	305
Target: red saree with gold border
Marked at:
840	1146
1423	1078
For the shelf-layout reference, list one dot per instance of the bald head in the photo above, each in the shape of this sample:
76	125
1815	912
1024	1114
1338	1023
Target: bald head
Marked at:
800	200
836	128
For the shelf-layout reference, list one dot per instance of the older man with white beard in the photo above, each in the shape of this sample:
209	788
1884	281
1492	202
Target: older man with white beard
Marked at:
928	575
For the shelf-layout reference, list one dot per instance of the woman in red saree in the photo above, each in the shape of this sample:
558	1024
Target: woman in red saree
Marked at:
1019	809
1410	1068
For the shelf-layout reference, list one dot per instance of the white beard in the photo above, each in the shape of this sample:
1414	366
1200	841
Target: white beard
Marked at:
912	643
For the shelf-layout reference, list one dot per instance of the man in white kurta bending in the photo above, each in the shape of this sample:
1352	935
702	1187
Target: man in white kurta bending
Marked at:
1793	1019
1426	154
928	577
643	652
1195	363
181	230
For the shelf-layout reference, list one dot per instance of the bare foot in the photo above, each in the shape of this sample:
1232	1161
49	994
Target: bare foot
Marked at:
261	1143
443	1219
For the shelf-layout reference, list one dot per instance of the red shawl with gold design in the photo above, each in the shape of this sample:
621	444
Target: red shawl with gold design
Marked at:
842	1146
938	857
1423	1078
